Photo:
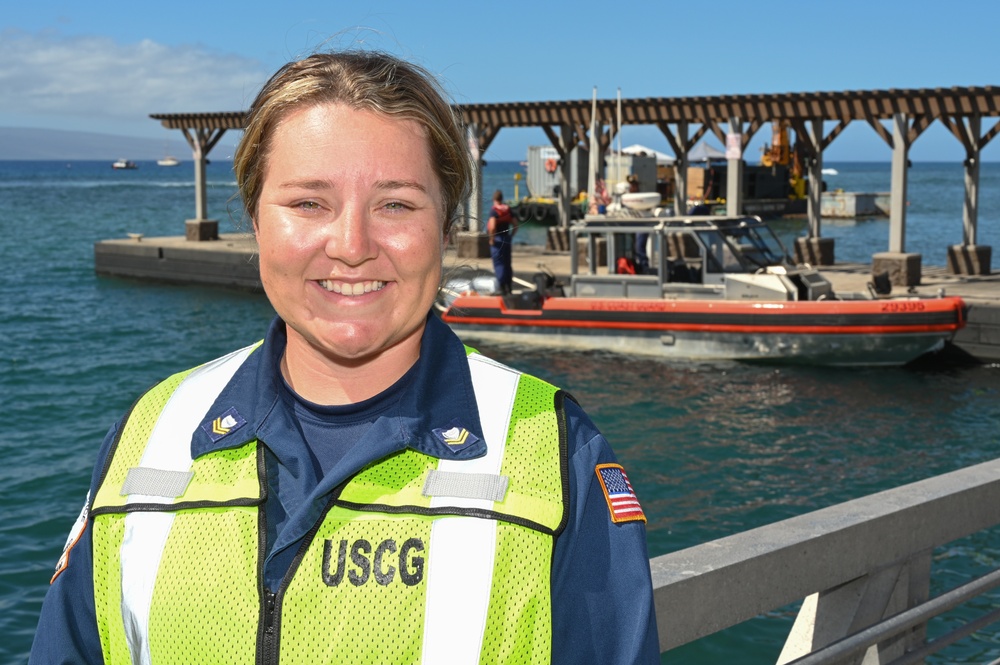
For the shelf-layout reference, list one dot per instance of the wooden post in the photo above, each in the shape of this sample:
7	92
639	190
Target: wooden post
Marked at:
815	191
200	190
470	240
680	170
734	170
970	258
897	197
814	249
201	142
565	173
970	209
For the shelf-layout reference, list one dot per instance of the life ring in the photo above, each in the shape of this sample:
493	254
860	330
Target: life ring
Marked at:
551	165
522	212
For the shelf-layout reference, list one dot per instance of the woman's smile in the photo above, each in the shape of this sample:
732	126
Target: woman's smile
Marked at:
351	289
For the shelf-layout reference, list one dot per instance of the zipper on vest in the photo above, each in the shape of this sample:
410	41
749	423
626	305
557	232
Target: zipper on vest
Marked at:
269	634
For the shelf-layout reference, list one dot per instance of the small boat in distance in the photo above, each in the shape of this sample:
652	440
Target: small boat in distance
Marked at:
717	288
168	161
122	164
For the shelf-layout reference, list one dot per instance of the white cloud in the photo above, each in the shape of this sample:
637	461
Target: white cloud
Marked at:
95	77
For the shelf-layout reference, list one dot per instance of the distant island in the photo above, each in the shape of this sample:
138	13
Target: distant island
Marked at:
31	144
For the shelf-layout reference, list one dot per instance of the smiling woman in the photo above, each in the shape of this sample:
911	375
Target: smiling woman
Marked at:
351	244
358	487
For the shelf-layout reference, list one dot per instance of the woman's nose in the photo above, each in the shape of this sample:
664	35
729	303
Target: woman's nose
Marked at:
350	238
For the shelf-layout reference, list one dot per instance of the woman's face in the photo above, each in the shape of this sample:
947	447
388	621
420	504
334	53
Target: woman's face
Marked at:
350	226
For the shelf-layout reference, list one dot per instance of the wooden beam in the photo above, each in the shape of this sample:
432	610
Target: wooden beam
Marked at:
554	140
881	131
834	133
988	136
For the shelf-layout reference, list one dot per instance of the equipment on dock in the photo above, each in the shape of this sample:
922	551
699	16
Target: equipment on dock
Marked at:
541	204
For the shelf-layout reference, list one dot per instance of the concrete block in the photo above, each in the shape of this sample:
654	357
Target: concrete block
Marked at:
198	230
903	268
814	251
557	239
853	204
969	259
142	252
472	245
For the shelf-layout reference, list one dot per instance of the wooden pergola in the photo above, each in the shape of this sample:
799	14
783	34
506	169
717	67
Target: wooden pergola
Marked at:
899	117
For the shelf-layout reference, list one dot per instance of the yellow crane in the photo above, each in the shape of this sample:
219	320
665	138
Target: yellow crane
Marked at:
780	153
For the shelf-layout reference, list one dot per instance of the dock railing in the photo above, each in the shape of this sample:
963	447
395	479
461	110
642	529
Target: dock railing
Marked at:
862	570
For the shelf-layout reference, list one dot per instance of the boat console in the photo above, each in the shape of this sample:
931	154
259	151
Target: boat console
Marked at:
691	257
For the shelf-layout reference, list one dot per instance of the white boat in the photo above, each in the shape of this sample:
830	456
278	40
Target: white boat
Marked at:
124	164
168	161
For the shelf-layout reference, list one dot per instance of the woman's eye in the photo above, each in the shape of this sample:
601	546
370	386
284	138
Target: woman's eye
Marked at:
396	205
308	205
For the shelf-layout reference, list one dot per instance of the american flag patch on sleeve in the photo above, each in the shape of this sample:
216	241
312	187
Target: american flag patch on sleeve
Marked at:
618	492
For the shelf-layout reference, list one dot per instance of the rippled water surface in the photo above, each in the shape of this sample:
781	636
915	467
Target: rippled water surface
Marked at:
712	449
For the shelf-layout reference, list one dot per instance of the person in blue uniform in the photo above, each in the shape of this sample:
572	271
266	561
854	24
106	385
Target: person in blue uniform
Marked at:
501	227
360	486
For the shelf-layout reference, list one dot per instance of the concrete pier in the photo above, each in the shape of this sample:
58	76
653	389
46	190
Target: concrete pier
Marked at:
231	261
854	204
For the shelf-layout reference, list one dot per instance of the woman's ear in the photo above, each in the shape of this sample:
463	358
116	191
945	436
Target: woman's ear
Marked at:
447	228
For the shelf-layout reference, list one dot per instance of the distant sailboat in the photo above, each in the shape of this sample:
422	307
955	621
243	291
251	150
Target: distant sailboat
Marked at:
168	161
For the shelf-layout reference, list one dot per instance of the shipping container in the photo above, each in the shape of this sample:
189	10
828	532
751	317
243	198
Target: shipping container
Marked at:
619	167
543	171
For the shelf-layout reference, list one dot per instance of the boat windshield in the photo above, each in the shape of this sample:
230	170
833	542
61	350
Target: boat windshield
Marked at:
756	245
742	248
720	255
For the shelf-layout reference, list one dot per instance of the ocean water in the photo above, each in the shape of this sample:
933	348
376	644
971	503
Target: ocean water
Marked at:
712	449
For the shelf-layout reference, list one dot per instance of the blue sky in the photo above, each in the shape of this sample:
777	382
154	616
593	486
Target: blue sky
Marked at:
105	66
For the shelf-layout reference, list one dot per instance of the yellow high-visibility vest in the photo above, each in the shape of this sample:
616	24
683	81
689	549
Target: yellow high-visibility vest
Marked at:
416	559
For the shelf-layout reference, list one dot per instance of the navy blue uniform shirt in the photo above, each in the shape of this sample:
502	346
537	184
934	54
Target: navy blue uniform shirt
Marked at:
602	605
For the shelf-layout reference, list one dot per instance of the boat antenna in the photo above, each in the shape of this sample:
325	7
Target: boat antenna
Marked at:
618	162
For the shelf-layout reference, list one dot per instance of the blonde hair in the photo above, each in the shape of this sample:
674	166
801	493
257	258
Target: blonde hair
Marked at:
363	80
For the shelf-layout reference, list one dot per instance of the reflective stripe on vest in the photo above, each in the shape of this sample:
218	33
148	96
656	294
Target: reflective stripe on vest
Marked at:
145	533
458	597
457	584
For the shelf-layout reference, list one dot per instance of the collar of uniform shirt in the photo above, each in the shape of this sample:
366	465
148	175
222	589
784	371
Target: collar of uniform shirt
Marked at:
441	397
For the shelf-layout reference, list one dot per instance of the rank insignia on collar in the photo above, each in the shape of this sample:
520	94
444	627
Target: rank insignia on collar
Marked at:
222	425
455	436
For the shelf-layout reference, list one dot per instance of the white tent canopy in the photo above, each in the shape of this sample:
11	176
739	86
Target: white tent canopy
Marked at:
662	158
703	152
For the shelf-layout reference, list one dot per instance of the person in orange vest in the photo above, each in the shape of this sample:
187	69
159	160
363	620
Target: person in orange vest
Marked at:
501	227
